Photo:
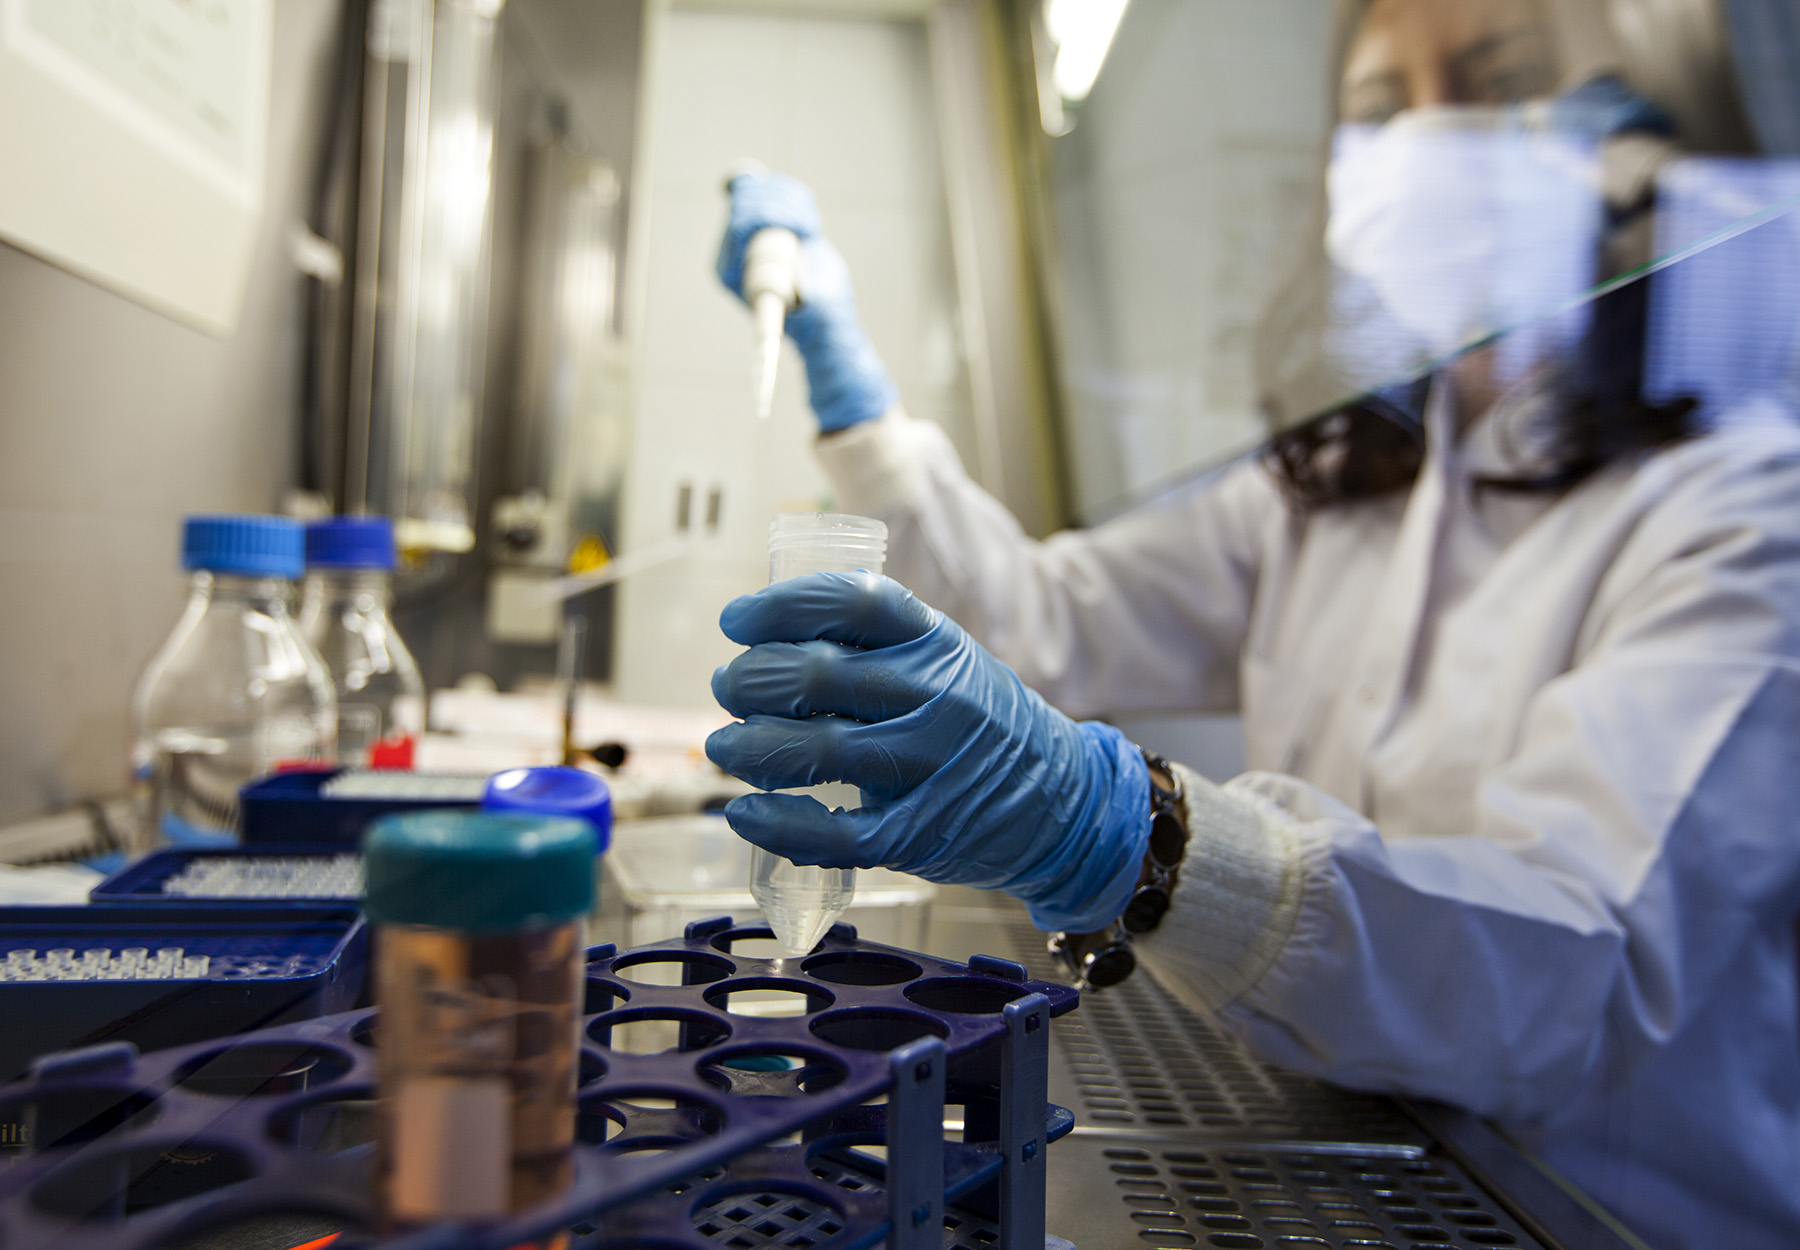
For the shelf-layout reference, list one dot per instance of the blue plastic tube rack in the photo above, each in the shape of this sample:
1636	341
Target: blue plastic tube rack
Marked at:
137	1151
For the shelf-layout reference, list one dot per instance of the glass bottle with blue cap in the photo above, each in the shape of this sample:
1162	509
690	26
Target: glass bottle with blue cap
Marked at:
236	691
479	953
344	612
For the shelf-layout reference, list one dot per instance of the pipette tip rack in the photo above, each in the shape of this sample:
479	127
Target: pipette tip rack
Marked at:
241	875
170	973
825	1128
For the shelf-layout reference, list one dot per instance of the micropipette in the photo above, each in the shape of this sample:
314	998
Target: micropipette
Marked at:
772	289
771	264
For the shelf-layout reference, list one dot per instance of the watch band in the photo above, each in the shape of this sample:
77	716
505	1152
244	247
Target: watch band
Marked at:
1104	957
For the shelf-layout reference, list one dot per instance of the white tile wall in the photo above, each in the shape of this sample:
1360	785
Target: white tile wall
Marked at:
846	105
1180	191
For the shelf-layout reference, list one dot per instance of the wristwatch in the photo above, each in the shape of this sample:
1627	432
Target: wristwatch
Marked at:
1104	957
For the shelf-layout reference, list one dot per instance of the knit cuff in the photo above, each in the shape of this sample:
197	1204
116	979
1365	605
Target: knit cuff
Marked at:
1238	897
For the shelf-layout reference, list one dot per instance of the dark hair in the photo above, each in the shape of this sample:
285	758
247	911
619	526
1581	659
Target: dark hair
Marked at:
1374	445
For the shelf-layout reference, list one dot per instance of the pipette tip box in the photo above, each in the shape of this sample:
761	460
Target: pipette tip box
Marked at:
262	875
166	975
339	805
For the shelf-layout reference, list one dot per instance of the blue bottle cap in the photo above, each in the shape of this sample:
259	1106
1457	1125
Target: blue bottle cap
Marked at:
350	542
478	872
248	546
554	792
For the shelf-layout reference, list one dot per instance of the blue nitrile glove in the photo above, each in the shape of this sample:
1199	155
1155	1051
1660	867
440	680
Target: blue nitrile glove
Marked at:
968	777
845	379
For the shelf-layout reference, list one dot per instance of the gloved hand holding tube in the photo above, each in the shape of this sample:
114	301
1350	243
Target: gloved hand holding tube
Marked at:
968	777
846	381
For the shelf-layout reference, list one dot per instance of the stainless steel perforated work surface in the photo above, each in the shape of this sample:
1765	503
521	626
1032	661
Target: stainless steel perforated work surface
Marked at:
1183	1139
1134	1058
1179	1196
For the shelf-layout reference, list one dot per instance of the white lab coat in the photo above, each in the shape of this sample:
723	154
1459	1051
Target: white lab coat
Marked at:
1522	830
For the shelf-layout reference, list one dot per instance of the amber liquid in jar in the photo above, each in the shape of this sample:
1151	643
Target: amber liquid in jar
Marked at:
478	1046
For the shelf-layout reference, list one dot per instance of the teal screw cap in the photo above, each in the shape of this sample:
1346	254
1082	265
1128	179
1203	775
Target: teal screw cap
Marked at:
478	872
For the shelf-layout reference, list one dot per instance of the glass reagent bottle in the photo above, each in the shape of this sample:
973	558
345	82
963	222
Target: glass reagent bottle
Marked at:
236	690
800	901
344	608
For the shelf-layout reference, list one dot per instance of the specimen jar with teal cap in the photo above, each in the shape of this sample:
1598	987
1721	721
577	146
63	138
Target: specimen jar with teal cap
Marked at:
479	948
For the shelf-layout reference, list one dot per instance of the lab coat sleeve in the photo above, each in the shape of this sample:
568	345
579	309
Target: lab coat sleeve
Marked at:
1639	833
1147	612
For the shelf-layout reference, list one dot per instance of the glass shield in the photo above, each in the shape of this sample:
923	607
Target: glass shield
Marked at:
1274	239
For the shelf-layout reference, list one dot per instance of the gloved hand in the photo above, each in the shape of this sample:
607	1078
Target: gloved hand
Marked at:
967	776
845	379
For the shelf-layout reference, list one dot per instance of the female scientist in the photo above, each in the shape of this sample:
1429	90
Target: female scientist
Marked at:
1520	689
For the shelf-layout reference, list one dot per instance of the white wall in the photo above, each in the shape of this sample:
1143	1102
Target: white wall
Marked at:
845	105
1179	193
114	422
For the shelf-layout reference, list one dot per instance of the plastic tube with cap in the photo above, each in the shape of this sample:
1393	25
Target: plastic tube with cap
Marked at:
479	917
802	901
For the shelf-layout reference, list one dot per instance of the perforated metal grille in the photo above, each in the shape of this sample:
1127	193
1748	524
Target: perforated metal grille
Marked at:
1134	1058
1179	1197
1141	1060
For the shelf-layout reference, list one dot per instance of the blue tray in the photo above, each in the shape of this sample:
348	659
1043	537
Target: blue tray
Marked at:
265	968
144	882
690	1148
292	808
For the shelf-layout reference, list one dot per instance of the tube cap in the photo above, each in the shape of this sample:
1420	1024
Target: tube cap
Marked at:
478	872
554	792
250	546
350	542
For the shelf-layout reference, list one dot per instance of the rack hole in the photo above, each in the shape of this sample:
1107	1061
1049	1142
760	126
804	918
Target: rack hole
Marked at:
861	968
589	1067
965	996
654	1030
598	995
46	1119
329	1125
773	1073
875	1028
261	1068
754	943
671	968
121	1183
644	1119
768	996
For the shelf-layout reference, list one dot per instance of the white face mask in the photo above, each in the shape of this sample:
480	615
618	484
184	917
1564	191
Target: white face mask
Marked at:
1464	222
